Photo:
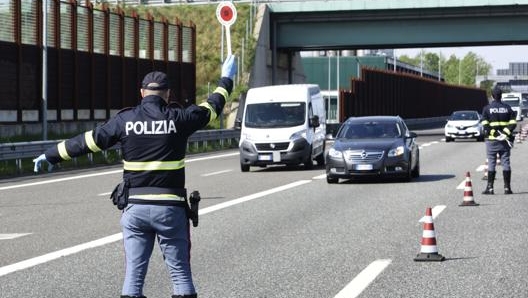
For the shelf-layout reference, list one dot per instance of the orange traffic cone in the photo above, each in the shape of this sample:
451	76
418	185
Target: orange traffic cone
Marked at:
468	193
428	251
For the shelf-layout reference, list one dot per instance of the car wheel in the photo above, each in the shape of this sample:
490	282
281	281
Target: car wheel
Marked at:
331	180
408	175
308	162
448	139
244	168
320	159
480	139
416	171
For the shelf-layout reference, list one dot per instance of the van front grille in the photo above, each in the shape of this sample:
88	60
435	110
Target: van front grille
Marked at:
272	146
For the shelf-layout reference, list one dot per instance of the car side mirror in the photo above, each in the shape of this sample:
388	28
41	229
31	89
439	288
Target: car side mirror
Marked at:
314	121
412	135
238	123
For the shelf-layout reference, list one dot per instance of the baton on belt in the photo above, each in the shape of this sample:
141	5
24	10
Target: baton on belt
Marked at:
194	200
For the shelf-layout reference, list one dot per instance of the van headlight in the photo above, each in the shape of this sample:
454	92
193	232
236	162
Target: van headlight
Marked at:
335	153
396	151
298	135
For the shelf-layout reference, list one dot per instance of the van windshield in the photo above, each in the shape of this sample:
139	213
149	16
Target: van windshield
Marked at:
512	102
275	114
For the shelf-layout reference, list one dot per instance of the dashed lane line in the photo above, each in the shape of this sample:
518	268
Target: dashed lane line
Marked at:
363	279
436	210
216	173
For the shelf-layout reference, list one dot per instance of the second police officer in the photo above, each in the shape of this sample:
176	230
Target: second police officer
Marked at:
498	120
153	137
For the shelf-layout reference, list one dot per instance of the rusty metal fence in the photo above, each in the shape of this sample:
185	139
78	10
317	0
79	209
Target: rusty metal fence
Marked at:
96	59
382	92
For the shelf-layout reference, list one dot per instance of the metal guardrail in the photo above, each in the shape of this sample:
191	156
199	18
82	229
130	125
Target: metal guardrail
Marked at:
23	150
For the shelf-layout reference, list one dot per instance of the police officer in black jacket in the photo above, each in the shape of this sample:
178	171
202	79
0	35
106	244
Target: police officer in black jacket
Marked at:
153	137
498	120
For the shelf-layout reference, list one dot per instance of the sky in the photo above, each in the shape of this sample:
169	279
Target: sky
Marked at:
498	56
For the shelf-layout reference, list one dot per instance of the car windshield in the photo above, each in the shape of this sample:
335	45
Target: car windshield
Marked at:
464	116
276	114
369	130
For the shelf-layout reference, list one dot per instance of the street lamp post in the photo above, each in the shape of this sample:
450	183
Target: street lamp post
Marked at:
45	70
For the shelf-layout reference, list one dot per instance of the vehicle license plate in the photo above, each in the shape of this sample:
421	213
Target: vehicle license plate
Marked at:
462	132
264	157
364	167
276	156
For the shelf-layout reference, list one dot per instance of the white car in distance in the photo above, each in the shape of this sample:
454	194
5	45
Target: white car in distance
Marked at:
464	125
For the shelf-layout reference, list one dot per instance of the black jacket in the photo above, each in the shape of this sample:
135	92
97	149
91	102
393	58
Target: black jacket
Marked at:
153	137
497	118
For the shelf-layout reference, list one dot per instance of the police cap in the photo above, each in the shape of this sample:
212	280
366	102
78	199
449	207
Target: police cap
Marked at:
155	80
496	92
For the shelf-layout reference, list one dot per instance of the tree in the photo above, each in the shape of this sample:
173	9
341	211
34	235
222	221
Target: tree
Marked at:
453	70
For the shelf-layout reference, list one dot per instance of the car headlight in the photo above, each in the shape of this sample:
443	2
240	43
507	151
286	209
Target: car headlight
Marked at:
449	126
335	153
396	151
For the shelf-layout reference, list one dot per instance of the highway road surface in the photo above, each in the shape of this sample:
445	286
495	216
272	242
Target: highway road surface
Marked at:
280	231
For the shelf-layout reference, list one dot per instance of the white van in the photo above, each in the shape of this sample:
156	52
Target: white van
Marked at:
283	124
514	100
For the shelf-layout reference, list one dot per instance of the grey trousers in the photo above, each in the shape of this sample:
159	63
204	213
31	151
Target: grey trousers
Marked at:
500	148
142	225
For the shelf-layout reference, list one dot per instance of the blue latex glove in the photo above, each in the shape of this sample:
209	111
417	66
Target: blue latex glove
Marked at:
38	161
229	68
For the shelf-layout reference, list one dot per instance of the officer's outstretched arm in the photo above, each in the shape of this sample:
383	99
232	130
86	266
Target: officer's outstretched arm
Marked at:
216	101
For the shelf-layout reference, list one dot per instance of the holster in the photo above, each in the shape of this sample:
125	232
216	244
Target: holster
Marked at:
192	211
119	195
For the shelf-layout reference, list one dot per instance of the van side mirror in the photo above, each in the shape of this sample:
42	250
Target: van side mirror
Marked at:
238	123
314	121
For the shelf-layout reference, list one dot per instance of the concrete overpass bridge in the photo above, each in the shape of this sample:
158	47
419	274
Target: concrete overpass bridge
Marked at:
289	27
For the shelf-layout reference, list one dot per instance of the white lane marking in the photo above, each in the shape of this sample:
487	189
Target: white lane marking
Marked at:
436	210
61	179
58	254
428	144
216	173
363	279
481	168
12	236
212	157
116	237
251	197
323	176
104	194
462	184
104	173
